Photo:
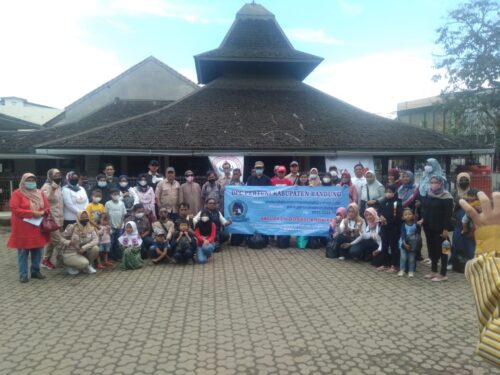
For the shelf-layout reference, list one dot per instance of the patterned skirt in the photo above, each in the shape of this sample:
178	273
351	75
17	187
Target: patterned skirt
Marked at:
131	259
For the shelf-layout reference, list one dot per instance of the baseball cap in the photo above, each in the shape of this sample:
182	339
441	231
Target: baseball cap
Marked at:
189	172
154	163
294	163
170	169
259	164
281	169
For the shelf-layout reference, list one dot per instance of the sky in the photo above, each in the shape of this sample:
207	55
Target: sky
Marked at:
376	53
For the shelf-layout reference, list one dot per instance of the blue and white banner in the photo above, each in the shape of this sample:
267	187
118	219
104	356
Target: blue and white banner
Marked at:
283	210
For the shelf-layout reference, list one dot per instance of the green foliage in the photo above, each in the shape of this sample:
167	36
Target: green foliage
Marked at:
470	63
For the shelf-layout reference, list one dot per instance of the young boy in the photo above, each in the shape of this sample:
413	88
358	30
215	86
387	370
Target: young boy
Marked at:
116	211
159	249
184	242
95	208
410	243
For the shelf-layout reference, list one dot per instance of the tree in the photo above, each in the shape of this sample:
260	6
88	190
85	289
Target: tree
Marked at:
470	63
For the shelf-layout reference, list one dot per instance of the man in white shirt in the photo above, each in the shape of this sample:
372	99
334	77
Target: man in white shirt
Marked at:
358	179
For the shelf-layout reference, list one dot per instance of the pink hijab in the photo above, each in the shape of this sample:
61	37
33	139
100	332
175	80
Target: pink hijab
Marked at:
375	216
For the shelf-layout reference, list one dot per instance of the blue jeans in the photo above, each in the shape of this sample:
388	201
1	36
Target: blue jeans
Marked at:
183	256
407	256
22	261
205	252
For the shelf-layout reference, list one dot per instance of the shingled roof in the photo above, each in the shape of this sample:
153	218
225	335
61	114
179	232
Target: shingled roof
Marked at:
255	43
13	123
263	115
17	142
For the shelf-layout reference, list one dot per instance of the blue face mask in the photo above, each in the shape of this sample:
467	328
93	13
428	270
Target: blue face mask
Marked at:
259	171
102	183
30	185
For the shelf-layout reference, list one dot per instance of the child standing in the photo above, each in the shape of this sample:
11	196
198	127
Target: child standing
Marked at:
468	228
104	232
131	242
116	211
95	208
410	243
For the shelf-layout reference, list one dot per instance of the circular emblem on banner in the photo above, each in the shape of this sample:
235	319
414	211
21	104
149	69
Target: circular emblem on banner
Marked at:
238	210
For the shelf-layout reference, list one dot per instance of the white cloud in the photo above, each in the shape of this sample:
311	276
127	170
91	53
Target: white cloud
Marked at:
377	82
312	36
349	7
49	60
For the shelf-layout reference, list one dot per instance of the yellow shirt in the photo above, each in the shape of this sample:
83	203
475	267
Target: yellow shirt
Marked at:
94	210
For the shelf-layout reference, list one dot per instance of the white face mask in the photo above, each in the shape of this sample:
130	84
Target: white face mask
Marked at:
313	176
143	183
139	215
326	180
205	219
428	169
96	199
190	178
123	184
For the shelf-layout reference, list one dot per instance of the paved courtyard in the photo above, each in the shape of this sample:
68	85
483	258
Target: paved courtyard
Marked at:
249	312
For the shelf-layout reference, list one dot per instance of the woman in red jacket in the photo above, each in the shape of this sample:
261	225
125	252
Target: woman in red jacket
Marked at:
205	233
28	203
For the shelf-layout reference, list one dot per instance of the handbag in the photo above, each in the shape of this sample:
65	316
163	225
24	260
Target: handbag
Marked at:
48	224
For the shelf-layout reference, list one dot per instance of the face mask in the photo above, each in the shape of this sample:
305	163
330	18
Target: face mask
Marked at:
96	199
428	169
115	197
190	178
143	183
73	181
313	176
205	219
123	184
57	180
84	222
102	183
30	185
463	185
139	215
259	172
326	180
211	180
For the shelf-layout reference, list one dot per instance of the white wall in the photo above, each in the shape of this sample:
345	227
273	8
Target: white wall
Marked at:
20	108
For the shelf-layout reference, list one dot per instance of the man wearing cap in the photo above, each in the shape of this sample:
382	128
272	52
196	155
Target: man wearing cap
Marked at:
293	176
167	194
280	179
190	193
260	179
153	176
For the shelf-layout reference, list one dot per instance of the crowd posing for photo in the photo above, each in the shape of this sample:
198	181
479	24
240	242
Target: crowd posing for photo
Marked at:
85	227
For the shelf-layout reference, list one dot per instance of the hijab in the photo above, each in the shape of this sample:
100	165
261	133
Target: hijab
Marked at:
342	211
348	175
406	191
426	177
357	218
84	229
141	188
461	193
132	239
440	192
121	188
374	223
374	177
50	174
34	196
316	182
69	175
205	228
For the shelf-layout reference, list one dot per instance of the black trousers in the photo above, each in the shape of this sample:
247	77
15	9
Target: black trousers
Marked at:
434	242
390	249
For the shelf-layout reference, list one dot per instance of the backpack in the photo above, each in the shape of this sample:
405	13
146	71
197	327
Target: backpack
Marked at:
257	241
330	248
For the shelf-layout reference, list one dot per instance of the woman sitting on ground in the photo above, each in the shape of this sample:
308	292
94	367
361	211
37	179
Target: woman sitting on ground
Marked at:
369	243
205	232
350	229
217	218
81	245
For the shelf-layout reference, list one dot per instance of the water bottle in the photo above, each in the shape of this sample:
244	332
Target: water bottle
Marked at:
446	247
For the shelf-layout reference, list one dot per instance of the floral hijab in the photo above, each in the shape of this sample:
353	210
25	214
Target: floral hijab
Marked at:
34	196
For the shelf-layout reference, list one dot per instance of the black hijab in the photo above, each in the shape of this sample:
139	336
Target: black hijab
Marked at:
204	228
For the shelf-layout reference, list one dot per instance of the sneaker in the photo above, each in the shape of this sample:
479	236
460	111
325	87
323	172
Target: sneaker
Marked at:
449	267
72	271
439	278
341	258
23	280
410	274
50	265
37	275
44	264
91	269
401	273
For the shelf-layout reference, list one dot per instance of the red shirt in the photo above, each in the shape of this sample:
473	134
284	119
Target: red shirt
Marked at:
210	238
276	181
24	235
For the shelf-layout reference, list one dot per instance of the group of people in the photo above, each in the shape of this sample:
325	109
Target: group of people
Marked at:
159	218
